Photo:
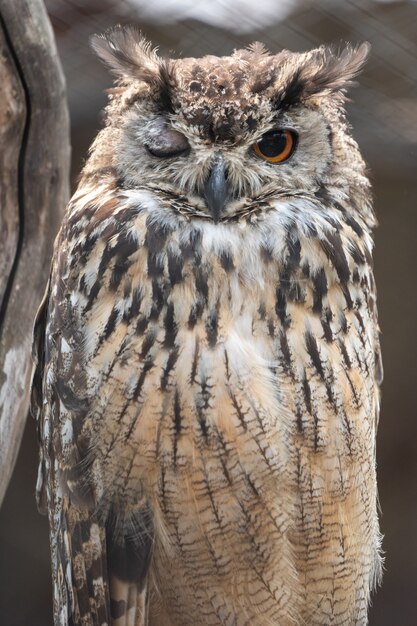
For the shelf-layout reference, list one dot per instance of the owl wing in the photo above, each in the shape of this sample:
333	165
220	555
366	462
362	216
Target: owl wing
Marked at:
91	570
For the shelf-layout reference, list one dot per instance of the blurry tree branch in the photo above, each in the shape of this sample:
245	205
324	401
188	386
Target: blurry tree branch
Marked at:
34	187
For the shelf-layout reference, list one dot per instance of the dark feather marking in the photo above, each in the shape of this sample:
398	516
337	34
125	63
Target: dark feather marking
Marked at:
292	92
226	261
286	354
118	608
82	592
177	424
134	308
225	453
147	366
350	221
294	252
156	235
345	354
356	253
347	296
129	537
296	293
362	362
361	322
142	325
316	430
333	248
306	269
343	323
212	323
196	312
214	508
119	270
353	389
110	326
238	410
158	300
124	247
203	424
310	231
329	390
327	330
69	399
92	295
190	248
348	433
319	281
175	266
313	351
324	195
83	285
147	344
307	394
195	361
166	83
170	327
266	251
81	252
203	404
281	308
163	493
299	416
226	365
170	364
201	281
155	264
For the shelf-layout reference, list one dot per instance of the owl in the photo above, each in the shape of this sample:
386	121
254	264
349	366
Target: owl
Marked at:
207	361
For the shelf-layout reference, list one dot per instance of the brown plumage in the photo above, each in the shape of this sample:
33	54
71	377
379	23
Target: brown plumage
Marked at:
207	353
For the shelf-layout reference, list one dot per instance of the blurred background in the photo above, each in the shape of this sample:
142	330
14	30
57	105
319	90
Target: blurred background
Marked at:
384	119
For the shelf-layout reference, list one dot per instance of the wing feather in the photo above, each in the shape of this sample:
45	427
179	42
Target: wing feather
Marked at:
100	554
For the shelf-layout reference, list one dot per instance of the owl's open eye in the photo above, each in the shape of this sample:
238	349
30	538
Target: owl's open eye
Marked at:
167	142
276	146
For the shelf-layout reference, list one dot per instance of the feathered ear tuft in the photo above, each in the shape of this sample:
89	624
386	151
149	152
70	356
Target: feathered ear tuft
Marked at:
128	53
324	71
335	71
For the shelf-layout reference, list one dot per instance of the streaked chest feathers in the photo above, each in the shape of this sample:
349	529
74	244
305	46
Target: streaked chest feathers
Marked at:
201	344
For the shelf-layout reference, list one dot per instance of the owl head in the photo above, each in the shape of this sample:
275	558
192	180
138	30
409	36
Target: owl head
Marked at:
225	135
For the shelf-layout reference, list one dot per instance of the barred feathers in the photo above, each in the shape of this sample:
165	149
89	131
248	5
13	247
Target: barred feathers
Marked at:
207	393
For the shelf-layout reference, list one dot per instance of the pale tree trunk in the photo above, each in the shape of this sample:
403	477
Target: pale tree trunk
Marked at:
34	188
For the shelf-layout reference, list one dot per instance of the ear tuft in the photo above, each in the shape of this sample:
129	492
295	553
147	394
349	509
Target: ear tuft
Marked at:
128	53
336	71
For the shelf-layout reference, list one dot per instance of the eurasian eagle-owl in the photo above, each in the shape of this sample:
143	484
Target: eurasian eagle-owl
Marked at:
207	352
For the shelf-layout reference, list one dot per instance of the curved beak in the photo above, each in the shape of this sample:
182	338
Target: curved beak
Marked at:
216	189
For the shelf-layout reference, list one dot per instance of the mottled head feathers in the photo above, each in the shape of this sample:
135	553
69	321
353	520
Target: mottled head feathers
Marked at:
228	104
286	77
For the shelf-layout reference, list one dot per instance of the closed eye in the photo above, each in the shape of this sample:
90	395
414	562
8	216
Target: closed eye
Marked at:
167	143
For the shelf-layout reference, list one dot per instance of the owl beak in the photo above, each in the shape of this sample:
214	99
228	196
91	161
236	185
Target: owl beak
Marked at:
216	189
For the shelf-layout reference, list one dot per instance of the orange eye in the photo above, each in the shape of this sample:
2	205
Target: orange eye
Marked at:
276	146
